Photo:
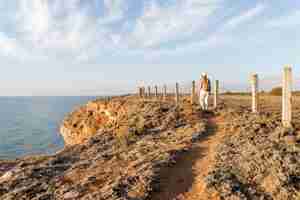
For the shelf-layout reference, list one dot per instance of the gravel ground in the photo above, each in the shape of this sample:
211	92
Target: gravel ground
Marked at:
258	159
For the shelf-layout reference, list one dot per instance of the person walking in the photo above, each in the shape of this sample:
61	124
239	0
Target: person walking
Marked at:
204	91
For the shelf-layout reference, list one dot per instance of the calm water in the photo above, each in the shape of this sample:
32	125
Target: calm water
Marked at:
29	125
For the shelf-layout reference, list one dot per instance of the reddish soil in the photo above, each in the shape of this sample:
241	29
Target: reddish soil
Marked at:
185	181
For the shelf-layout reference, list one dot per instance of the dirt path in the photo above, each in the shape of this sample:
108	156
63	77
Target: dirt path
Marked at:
185	181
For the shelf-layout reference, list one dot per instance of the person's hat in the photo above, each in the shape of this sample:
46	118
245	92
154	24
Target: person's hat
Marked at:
204	75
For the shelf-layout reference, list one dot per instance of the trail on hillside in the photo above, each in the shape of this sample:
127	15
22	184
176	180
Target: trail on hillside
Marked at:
186	180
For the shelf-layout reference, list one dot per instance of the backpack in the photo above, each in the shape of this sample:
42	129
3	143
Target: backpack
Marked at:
205	84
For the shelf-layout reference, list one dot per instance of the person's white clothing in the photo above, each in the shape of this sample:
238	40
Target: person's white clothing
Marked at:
203	98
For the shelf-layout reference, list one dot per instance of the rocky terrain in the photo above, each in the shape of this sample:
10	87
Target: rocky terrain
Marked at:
132	149
119	158
258	158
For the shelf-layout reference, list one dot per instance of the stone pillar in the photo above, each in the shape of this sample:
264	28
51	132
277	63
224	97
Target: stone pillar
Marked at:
255	93
193	93
287	97
156	91
143	92
149	91
165	93
140	92
216	93
177	94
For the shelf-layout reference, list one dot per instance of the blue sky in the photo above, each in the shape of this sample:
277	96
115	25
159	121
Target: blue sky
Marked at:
94	47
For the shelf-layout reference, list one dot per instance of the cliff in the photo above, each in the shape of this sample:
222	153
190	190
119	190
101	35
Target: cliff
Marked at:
87	120
128	149
122	147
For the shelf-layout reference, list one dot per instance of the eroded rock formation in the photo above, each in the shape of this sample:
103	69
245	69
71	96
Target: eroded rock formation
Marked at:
84	122
115	162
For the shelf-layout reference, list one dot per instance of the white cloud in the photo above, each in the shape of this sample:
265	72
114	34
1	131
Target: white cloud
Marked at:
114	11
174	22
11	48
42	29
51	28
245	17
34	17
222	35
289	20
8	45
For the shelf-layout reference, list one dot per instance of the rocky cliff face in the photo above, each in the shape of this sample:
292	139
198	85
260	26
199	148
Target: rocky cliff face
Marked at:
84	122
122	147
119	150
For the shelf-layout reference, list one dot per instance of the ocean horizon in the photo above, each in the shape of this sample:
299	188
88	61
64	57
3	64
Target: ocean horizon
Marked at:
29	125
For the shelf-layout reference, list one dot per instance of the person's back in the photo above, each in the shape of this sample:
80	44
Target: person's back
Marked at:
205	84
205	89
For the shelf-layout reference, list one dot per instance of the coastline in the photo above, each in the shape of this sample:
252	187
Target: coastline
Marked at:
140	145
124	141
30	126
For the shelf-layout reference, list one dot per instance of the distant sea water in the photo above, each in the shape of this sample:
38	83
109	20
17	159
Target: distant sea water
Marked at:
30	125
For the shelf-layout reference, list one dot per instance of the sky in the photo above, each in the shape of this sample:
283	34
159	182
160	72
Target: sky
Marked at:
105	47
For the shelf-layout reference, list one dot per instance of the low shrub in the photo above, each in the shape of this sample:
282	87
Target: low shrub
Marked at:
277	91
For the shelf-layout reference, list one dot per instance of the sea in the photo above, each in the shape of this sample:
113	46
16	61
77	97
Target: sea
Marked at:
30	125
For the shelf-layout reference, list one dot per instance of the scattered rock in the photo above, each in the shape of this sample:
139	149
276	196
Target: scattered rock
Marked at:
290	139
258	157
71	195
122	160
6	176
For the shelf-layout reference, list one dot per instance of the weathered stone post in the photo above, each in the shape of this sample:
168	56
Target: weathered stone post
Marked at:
165	93
140	92
216	93
156	91
193	94
177	94
143	92
287	97
149	91
255	95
